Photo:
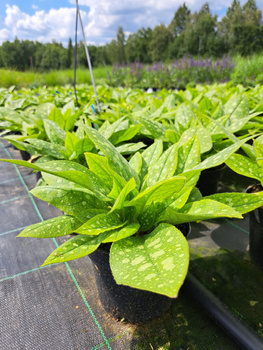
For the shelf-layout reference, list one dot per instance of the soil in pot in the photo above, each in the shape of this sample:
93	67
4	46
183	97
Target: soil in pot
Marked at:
135	305
209	179
256	231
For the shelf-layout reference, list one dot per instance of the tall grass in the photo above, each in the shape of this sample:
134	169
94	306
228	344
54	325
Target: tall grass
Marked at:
248	70
53	78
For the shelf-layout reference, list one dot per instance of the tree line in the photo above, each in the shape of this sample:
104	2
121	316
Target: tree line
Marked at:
200	33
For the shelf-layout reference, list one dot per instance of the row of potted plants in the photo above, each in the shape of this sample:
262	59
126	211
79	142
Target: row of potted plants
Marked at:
125	186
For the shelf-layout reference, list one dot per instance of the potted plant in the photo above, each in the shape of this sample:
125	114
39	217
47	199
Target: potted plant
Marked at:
252	166
132	209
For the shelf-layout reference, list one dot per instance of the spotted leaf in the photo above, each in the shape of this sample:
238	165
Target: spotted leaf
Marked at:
221	156
164	167
56	227
129	187
156	129
100	223
188	155
241	202
204	209
245	166
115	159
77	202
156	193
75	248
120	233
156	262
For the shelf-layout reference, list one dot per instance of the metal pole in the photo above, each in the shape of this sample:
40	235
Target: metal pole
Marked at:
88	57
75	57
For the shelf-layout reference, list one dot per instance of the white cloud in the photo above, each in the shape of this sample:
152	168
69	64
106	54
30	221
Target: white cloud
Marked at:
35	7
58	24
4	35
101	18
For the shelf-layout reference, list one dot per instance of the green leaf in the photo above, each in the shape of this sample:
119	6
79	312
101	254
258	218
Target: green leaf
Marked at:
56	227
136	162
153	153
77	202
75	248
204	209
70	142
184	114
156	262
84	145
47	148
259	152
156	129
245	166
99	165
130	148
100	223
241	202
54	132
172	136
56	116
188	155
203	135
164	167
157	193
70	171
121	233
221	156
129	187
116	161
124	135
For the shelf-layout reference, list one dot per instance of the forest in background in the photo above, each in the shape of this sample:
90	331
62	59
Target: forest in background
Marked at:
200	33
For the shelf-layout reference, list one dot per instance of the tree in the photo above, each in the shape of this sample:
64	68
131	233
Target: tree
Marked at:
179	21
120	45
137	47
252	15
159	46
200	32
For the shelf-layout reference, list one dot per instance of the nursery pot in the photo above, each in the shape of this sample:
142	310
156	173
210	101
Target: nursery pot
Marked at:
209	179
25	155
134	305
256	231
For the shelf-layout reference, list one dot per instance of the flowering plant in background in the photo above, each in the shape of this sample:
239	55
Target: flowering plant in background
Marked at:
178	74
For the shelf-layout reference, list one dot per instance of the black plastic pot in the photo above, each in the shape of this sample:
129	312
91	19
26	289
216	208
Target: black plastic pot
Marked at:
25	155
256	231
134	305
209	179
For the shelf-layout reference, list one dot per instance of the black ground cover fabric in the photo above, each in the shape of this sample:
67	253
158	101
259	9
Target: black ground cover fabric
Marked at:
57	306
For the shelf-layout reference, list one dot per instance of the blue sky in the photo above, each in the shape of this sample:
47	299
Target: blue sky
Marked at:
47	20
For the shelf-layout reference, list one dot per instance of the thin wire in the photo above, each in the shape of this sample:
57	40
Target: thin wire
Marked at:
88	57
75	57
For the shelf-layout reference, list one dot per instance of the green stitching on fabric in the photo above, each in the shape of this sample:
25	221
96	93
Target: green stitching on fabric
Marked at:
240	228
17	229
14	199
24	273
15	179
69	269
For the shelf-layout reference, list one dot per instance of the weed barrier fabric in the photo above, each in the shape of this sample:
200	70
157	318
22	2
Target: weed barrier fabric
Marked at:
57	306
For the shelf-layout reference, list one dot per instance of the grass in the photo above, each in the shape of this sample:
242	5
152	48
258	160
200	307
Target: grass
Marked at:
53	78
248	71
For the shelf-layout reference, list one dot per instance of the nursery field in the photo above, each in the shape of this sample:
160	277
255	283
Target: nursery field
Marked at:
180	73
121	175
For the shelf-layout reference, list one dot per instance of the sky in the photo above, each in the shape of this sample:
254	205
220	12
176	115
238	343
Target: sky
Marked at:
47	20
